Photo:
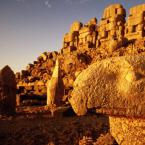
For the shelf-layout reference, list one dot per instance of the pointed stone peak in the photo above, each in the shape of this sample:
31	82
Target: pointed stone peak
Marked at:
7	75
56	69
57	62
55	88
6	68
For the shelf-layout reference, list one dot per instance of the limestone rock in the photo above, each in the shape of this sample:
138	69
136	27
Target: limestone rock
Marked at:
116	84
7	91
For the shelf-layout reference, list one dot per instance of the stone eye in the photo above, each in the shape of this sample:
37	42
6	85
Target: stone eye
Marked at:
132	76
139	76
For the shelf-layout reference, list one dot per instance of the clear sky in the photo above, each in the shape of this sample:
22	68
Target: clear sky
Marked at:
30	27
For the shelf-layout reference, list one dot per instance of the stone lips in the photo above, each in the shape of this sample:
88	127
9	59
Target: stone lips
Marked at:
115	84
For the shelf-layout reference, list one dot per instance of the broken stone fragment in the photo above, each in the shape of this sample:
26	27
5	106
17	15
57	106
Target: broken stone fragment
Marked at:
116	84
116	87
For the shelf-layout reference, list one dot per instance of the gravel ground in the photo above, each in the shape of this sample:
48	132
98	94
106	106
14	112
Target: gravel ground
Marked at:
34	126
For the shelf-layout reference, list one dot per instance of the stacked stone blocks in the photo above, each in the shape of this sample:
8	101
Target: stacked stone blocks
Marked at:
112	26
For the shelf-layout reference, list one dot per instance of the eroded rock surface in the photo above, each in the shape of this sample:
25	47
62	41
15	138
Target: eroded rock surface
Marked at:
116	84
116	87
127	131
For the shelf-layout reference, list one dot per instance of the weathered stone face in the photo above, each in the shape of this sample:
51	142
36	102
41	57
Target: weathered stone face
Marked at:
112	24
113	10
7	91
115	85
135	25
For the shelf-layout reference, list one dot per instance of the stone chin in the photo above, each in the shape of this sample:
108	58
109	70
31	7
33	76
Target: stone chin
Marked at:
79	106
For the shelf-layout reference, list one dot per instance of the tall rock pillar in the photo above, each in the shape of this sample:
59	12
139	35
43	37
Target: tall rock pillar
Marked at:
7	91
55	89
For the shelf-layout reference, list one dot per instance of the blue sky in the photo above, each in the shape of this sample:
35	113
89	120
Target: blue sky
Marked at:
30	27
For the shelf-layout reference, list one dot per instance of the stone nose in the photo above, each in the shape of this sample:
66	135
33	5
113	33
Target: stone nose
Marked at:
134	76
139	76
130	76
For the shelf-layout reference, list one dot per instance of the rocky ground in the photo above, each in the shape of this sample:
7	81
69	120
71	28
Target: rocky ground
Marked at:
35	126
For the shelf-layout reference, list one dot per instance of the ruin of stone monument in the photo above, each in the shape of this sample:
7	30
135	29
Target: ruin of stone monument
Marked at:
34	78
112	24
71	38
135	25
88	34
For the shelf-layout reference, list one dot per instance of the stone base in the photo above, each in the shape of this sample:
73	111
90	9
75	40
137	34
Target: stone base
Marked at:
128	131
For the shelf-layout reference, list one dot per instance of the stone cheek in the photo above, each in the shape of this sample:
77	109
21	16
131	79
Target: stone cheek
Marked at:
127	131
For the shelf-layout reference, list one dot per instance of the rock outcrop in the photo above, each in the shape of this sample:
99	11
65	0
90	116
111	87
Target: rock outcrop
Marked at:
116	87
7	91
